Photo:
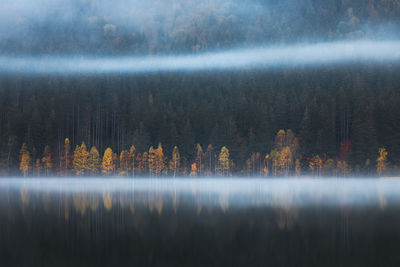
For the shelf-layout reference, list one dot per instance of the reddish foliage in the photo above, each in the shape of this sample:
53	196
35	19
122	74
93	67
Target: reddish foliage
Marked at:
345	149
117	41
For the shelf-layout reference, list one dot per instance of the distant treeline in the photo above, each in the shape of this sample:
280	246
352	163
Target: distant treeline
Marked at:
339	116
283	160
193	26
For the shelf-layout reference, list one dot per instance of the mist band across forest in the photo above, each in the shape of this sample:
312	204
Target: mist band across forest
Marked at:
254	58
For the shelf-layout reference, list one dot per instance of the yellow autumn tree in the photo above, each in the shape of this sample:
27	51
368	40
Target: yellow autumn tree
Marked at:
94	162
381	161
108	165
199	160
25	163
254	164
145	160
193	170
275	161
124	162
38	167
223	160
343	167
47	160
159	160
175	161
315	165
152	161
66	159
280	139
23	150
80	160
131	159
285	160
298	167
139	163
266	165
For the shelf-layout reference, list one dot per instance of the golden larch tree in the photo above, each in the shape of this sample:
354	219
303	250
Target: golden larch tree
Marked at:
38	167
66	159
175	161
94	162
266	165
124	162
381	161
151	161
285	160
25	163
108	165
47	160
298	167
343	167
139	163
80	159
199	160
223	160
159	160
193	171
23	150
131	159
145	160
209	160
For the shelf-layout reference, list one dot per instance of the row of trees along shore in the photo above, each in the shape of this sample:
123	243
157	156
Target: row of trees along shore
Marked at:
283	160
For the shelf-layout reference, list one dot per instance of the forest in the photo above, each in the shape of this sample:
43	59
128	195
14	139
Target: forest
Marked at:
333	120
340	119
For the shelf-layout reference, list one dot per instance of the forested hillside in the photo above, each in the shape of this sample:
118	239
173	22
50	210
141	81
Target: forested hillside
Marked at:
338	114
331	119
168	26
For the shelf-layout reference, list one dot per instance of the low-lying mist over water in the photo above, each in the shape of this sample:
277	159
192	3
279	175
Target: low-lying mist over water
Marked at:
254	58
236	192
205	221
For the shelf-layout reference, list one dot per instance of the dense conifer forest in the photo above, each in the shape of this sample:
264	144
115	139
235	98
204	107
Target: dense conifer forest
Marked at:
332	119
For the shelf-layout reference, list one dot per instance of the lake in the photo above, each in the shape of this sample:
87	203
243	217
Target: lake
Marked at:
199	222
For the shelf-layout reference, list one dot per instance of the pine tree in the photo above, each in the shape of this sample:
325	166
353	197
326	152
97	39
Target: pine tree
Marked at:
108	165
80	160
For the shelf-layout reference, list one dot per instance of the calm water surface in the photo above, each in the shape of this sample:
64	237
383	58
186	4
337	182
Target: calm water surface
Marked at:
199	222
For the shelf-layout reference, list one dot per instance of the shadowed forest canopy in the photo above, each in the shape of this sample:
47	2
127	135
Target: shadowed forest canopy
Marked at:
347	115
173	26
343	112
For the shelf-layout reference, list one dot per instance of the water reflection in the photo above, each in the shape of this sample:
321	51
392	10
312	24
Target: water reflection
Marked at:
180	221
218	193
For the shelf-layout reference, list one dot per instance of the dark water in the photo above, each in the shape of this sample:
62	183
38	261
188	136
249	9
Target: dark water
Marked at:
199	222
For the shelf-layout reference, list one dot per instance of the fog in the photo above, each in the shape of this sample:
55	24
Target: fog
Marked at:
211	191
264	57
